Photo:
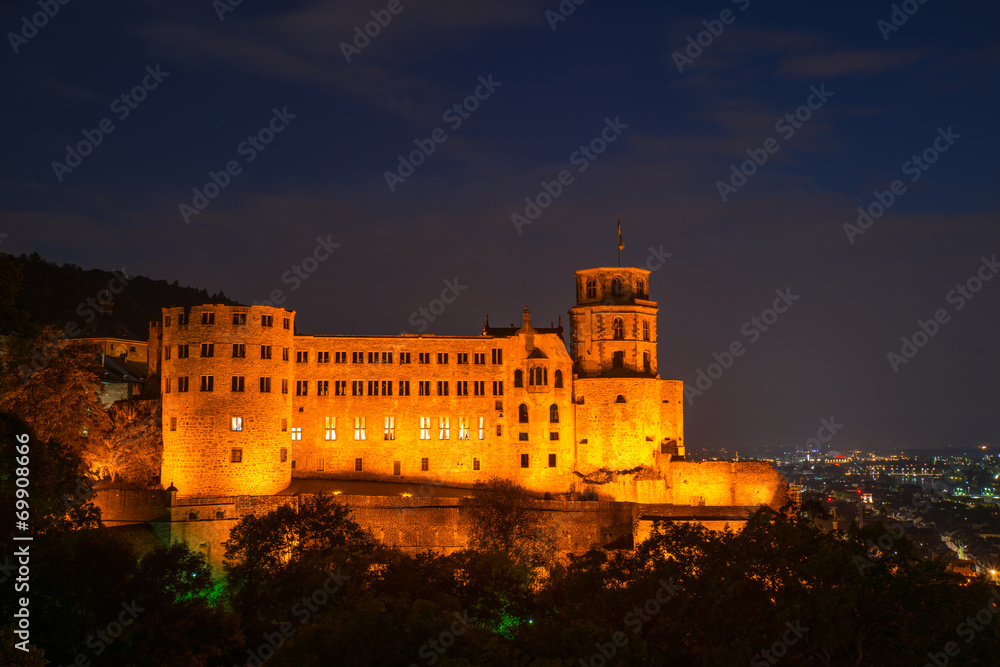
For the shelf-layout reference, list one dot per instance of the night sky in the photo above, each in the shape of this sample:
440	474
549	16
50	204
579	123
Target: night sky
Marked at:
869	97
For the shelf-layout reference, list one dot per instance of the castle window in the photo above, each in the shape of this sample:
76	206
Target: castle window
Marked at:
518	378
553	414
166	320
475	464
296	433
208	318
239	318
207	382
618	328
340	387
236	424
397	468
524	460
236	455
357	357
442	357
284	424
359	428
646	362
287	323
182	383
301	356
208	349
404	357
284	385
482	428
238	381
522	413
558	380
182	319
645	329
461	387
284	354
390	429
166	385
424	357
166	352
618	359
462	358
404	388
640	288
552	460
442	388
373	387
616	287
444	428
479	358
322	387
554	435
284	454
498	387
340	357
425	387
358	465
265	385
357	388
540	376
497	355
239	350
320	464
301	387
373	357
387	387
173	423
425	428
523	437
322	357
479	387
265	351
498	406
183	351
387	357
425	464
331	429
591	288
620	399
266	320
463	428
499	429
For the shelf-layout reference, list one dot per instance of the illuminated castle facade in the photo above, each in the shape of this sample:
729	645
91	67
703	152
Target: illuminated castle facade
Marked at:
247	404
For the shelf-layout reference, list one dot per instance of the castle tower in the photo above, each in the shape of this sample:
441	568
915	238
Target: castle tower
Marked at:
613	325
227	406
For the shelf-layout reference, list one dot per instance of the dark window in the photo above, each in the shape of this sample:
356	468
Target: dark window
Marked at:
425	464
558	380
207	382
208	349
266	320
618	328
239	318
238	383
497	355
475	464
236	455
265	385
396	468
173	423
322	357
522	413
518	378
301	387
265	351
322	387
591	288
208	318
239	350
287	323
616	287
645	329
182	383
620	399
640	288
302	357
462	358
284	454
404	388
498	387
524	460
618	360
442	388
523	437
553	414
358	465
552	460
554	435
442	357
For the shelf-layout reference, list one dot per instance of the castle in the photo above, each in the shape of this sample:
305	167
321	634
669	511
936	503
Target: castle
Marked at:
248	405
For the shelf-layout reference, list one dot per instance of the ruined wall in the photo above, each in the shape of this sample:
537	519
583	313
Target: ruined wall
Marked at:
128	506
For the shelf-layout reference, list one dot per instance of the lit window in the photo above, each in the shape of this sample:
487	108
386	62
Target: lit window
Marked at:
444	428
331	428
463	428
296	433
236	424
390	428
482	428
359	428
425	428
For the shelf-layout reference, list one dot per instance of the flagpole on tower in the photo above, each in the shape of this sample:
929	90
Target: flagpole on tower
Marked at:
621	244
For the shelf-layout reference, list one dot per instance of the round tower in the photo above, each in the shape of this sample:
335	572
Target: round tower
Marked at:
613	325
225	374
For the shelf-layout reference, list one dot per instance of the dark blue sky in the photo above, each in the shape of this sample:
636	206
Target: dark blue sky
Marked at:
324	175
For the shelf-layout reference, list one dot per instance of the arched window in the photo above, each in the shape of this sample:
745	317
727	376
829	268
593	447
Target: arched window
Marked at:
616	287
522	413
645	329
518	378
591	288
640	288
531	377
618	327
554	414
558	379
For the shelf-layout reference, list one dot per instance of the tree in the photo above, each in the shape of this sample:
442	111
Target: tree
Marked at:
502	520
133	449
